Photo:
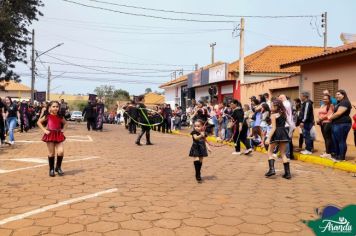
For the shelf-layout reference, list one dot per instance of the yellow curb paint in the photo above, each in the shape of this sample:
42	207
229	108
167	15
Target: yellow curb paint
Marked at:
344	165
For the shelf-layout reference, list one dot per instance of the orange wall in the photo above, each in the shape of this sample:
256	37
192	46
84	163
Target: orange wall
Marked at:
254	89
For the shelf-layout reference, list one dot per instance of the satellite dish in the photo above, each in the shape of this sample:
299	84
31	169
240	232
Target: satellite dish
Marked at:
347	38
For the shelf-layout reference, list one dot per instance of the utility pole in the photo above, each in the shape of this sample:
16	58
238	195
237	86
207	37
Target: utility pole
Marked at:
242	56
33	68
212	45
49	84
324	21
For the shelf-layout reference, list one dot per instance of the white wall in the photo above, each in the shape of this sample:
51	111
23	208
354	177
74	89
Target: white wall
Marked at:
201	92
170	95
17	94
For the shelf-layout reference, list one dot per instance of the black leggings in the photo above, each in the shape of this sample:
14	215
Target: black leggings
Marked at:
241	138
326	131
91	123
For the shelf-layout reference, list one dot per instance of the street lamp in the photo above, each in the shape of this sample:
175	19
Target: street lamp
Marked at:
33	67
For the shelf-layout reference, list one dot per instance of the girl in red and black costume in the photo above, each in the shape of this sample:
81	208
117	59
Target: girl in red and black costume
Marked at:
53	136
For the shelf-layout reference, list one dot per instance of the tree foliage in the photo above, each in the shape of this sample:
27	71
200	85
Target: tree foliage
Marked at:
111	95
148	90
15	18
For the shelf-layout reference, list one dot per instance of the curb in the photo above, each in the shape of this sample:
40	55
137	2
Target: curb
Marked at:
344	165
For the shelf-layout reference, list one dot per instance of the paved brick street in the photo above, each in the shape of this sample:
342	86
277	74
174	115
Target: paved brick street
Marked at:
113	187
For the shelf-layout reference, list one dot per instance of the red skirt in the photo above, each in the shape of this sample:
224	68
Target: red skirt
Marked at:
55	136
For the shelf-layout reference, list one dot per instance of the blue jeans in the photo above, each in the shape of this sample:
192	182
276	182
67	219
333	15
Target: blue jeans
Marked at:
11	124
309	143
339	135
216	126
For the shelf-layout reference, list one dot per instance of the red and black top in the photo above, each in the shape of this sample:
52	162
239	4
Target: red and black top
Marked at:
54	125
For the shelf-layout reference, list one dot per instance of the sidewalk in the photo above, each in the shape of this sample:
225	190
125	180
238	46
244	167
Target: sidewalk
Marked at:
348	165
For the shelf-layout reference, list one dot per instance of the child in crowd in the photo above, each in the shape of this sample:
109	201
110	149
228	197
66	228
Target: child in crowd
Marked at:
53	136
278	136
256	137
199	148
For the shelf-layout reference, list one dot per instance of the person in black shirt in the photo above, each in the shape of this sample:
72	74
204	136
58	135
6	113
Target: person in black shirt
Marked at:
89	114
132	114
307	122
144	119
199	149
240	128
341	124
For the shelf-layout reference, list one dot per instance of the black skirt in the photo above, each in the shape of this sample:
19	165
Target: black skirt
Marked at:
280	135
198	149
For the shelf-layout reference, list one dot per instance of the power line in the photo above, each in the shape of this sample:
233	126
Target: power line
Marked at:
115	26
99	70
200	14
149	16
147	70
120	62
81	42
138	29
107	80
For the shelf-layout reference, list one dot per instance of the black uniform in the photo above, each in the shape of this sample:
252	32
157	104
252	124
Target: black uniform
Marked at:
89	114
132	113
145	124
198	148
238	117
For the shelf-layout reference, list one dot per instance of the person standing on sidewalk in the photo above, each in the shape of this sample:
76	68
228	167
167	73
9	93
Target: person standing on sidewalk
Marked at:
307	122
290	125
341	124
278	136
12	117
199	149
326	110
53	136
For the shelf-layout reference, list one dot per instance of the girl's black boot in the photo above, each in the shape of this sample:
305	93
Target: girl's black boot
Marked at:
51	166
271	170
59	166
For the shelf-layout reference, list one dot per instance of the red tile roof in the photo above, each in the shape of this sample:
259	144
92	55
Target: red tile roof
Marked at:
347	48
269	59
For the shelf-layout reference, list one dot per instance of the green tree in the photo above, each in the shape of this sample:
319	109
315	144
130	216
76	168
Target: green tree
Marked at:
111	95
15	18
148	90
121	95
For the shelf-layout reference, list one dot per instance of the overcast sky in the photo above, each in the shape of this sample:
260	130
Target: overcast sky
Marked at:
134	52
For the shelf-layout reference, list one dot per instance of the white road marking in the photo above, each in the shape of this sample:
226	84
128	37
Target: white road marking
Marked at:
33	160
59	204
2	171
72	138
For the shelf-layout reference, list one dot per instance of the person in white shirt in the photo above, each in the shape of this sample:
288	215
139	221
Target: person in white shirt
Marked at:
289	124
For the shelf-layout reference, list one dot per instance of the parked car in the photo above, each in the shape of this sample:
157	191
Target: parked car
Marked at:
76	116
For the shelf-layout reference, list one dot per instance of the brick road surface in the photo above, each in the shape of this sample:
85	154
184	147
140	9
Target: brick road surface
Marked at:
156	190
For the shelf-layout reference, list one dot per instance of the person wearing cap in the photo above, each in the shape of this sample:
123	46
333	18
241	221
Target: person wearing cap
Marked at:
307	122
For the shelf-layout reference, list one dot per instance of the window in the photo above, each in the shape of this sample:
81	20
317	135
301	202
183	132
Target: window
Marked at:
319	87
